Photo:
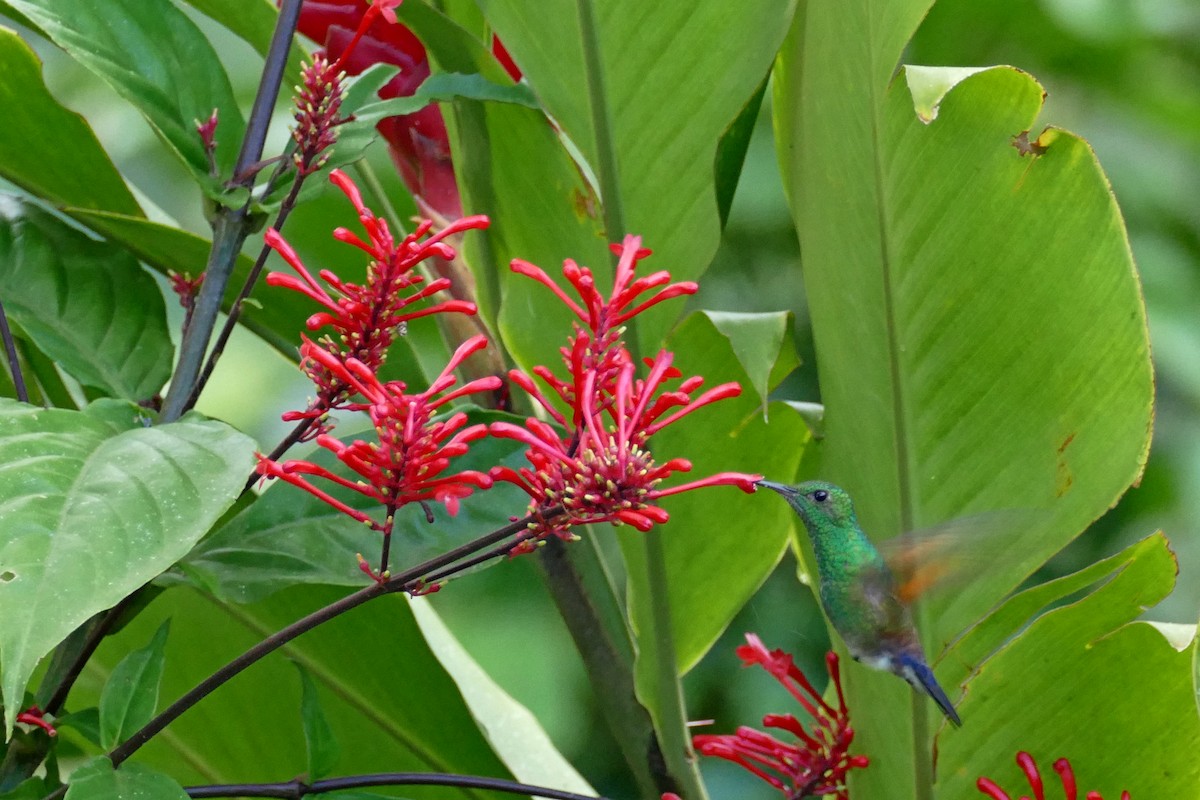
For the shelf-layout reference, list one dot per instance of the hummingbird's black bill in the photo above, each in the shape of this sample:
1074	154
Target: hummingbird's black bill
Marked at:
778	487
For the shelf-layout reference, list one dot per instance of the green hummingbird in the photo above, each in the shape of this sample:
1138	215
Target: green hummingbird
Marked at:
858	590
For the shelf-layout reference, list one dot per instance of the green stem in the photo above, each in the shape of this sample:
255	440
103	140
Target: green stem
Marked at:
298	789
14	363
587	608
607	172
606	153
671	716
229	231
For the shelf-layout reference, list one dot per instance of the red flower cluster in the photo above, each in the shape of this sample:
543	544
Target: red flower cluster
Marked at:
1029	767
817	763
358	37
599	467
366	319
414	449
410	459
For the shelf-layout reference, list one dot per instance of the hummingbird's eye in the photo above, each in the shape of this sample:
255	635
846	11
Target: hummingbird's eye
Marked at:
820	495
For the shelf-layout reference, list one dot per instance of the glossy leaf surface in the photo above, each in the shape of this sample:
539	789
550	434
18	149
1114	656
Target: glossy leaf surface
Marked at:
88	305
95	505
981	339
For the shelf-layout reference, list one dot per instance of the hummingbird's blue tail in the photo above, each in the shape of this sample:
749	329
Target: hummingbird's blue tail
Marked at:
918	673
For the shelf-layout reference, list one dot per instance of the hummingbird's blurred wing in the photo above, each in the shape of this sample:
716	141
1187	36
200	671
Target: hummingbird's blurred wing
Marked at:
950	553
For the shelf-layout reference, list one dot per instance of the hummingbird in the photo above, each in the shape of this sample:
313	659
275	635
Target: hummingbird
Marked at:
858	590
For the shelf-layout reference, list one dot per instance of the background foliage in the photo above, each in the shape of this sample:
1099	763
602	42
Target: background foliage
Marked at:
1123	75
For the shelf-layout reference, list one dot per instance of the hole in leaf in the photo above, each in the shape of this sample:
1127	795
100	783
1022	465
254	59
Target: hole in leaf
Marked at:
7	575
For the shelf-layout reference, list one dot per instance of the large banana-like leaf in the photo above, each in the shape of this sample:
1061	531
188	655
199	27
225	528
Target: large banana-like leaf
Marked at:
979	327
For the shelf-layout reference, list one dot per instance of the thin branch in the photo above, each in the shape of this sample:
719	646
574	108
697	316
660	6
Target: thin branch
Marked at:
273	642
232	224
235	310
296	435
298	789
461	566
14	364
407	580
268	90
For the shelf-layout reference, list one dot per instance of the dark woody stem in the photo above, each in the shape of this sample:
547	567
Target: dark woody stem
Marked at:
296	435
462	566
387	538
232	225
298	789
14	365
235	310
408	580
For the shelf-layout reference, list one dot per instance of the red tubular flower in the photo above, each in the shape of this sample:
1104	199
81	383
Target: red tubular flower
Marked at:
36	717
605	473
818	762
413	452
366	319
601	469
1025	761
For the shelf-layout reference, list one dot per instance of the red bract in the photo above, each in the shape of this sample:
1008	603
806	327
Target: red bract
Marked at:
816	764
409	461
367	318
1029	767
417	142
599	468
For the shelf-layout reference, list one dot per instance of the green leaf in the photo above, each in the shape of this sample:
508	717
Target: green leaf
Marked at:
87	722
514	733
512	166
48	150
274	315
288	536
720	544
131	694
97	780
31	789
254	22
88	305
762	343
158	60
320	744
94	508
445	87
981	339
396	709
732	149
1080	684
666	103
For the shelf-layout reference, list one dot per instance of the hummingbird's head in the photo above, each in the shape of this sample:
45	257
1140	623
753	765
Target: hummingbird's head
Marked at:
819	503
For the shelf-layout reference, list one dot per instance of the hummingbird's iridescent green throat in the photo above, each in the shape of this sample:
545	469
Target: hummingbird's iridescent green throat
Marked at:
858	590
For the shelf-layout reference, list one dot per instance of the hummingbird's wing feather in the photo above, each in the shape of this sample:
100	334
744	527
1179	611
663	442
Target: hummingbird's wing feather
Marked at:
950	553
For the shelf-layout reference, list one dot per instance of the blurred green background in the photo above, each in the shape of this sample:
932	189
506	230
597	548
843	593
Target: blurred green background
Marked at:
1125	74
